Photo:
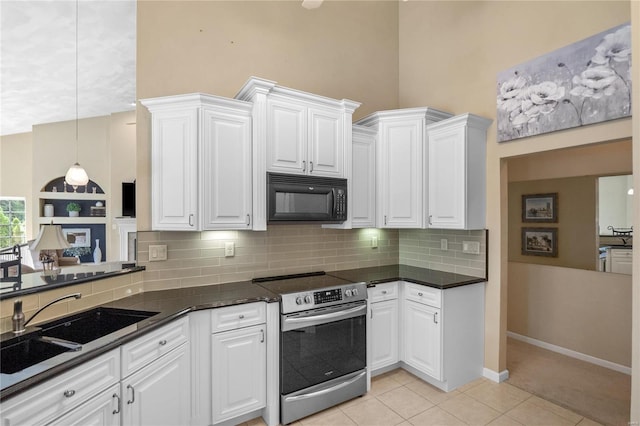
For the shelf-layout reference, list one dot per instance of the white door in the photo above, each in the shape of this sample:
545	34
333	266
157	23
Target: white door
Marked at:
363	180
326	143
447	178
384	334
159	394
239	363
422	338
400	154
102	410
286	137
226	170
174	171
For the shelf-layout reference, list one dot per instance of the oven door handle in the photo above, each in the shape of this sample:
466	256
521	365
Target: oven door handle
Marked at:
324	391
291	323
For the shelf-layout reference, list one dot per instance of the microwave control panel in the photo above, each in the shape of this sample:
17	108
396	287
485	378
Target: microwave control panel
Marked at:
341	204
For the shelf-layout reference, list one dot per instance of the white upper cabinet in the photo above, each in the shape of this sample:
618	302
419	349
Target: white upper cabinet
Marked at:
296	132
400	161
200	163
457	172
363	178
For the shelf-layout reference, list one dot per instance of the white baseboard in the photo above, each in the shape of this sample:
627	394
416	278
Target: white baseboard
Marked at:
573	354
495	376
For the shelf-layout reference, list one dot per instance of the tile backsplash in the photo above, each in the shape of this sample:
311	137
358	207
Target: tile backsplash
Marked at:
197	258
422	248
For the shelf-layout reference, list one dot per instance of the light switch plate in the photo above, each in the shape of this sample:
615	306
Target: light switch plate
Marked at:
444	244
374	241
157	252
471	247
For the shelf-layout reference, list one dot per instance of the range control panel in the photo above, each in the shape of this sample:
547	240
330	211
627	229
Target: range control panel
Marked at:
325	297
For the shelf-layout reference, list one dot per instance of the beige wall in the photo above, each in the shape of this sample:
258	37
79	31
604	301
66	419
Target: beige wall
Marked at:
450	55
341	50
584	311
16	170
576	225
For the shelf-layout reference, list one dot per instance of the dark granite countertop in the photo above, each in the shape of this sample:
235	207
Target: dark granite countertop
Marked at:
174	303
429	277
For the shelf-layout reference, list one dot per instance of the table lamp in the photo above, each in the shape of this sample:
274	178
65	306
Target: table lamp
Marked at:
49	239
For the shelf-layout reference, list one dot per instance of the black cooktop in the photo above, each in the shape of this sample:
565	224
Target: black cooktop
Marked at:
287	284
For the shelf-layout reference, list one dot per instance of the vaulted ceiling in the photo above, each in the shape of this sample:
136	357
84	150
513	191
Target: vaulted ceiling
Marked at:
38	60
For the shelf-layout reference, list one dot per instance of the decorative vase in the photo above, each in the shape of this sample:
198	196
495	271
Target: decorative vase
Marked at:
48	210
97	253
74	214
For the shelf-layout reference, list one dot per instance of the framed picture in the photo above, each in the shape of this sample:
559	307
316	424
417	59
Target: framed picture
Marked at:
77	237
540	242
540	208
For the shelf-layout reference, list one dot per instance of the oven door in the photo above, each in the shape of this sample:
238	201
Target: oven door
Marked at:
319	345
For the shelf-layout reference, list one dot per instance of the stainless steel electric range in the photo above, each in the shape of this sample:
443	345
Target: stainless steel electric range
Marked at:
322	341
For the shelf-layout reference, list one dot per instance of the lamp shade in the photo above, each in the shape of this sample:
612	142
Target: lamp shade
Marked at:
50	238
76	175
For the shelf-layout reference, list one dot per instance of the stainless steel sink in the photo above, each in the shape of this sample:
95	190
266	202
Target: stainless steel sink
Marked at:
63	335
87	326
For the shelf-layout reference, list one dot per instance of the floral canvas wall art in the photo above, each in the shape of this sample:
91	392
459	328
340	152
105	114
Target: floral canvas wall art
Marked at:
584	83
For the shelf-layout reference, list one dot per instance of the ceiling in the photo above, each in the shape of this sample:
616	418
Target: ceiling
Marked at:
38	60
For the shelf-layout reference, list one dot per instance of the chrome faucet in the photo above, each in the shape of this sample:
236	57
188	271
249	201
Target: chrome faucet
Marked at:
19	324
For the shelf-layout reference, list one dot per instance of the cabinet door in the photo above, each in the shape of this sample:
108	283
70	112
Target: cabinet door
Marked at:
174	174
363	180
239	369
103	410
225	170
423	338
621	261
384	335
400	156
326	143
447	178
159	394
286	137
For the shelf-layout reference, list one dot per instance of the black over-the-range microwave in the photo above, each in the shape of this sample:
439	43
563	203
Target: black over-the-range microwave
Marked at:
299	198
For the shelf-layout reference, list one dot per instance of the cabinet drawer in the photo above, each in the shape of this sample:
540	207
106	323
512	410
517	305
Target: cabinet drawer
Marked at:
232	317
61	394
423	294
385	291
149	347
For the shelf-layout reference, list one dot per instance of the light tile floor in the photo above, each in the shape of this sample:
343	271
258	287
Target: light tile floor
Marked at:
400	398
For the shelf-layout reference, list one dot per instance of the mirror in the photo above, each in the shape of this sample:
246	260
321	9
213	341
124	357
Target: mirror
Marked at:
594	208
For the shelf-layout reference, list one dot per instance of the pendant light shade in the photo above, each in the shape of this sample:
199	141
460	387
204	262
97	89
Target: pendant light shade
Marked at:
76	176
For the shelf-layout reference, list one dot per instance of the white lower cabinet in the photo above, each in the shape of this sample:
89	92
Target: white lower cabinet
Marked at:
103	410
64	394
423	338
442	333
239	372
158	394
383	338
238	360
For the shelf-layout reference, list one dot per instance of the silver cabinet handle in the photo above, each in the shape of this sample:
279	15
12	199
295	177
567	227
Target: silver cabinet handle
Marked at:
118	405
69	393
133	395
384	291
385	220
191	220
304	166
162	342
430	223
310	166
261	336
248	219
420	294
435	317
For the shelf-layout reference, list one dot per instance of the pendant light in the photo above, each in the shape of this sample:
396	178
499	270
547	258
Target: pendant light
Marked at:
76	176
